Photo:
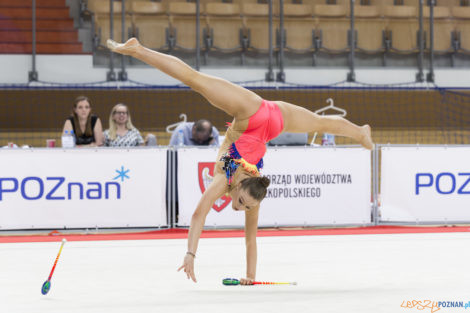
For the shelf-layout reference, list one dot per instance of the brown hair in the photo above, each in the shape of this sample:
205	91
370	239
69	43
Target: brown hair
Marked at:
88	131
257	187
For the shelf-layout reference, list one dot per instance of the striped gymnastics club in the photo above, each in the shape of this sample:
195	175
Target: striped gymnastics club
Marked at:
47	284
235	282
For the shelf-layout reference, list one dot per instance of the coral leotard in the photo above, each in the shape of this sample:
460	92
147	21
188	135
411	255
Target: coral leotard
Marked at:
248	150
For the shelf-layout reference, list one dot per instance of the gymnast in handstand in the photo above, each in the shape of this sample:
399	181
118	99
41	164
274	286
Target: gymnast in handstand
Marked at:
240	157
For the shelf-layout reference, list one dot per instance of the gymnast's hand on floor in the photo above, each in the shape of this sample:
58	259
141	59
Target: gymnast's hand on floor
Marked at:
188	265
246	281
127	48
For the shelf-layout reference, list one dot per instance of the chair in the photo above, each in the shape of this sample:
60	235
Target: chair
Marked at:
448	3
438	3
205	2
151	24
462	27
150	140
314	2
332	26
412	3
101	21
299	28
402	28
443	28
240	2
370	29
256	26
224	27
183	26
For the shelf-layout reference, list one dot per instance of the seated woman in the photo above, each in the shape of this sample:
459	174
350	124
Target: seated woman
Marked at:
121	132
86	126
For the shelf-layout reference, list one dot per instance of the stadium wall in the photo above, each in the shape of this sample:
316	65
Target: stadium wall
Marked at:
156	108
78	69
397	115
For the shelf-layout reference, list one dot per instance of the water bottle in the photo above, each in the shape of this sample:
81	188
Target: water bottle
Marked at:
328	140
180	137
72	139
67	140
65	137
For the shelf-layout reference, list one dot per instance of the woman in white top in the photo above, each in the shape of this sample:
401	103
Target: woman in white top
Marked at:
121	132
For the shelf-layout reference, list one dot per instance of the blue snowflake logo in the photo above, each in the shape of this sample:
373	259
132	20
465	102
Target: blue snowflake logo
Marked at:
122	174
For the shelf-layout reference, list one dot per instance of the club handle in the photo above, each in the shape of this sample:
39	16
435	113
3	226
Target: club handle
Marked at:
57	259
273	283
235	282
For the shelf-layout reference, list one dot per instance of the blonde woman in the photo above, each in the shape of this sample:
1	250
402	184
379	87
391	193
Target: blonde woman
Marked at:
121	132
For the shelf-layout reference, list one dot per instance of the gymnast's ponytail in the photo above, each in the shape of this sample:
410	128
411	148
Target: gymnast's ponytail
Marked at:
257	186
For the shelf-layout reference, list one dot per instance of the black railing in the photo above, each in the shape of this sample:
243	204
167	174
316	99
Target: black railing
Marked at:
420	74
281	76
33	74
123	74
430	76
270	73
111	75
351	77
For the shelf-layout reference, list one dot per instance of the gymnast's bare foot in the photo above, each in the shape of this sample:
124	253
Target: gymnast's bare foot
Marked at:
128	48
366	138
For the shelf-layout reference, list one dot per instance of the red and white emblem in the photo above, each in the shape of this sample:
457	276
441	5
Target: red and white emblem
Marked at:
205	175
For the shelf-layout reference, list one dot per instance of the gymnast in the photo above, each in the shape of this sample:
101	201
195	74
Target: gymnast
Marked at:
240	157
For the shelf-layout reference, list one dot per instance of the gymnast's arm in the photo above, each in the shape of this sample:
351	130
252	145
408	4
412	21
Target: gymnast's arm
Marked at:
215	190
251	228
98	133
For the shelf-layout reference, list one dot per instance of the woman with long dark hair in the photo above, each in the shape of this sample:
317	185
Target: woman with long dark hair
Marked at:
86	127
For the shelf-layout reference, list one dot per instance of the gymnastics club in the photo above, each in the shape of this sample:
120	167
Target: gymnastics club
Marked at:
47	284
235	282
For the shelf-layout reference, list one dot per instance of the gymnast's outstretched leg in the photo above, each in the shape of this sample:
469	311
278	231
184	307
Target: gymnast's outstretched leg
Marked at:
239	102
234	100
300	120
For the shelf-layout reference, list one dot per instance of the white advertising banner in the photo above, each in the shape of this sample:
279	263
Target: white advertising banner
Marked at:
425	184
309	186
82	188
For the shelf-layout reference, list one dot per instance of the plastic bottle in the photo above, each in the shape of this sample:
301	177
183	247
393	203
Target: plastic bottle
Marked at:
65	139
72	139
68	139
180	137
328	140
